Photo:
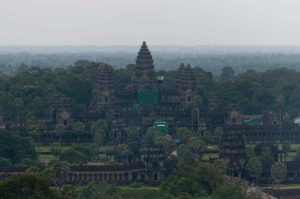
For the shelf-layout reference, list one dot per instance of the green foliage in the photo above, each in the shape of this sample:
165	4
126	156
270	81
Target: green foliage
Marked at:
60	130
199	179
78	128
68	192
19	150
26	187
121	152
99	191
133	133
254	167
98	129
278	172
79	154
185	154
184	134
227	73
208	137
55	171
217	135
28	93
197	147
229	192
151	135
56	148
73	156
286	147
142	193
5	162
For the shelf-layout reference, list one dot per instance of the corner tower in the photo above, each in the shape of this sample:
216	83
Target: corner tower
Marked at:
103	94
186	84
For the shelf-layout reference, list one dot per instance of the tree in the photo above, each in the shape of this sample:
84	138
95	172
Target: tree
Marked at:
60	130
218	133
185	154
26	186
89	150
151	135
230	191
19	104
73	156
133	133
98	129
56	171
16	148
165	141
56	149
68	192
207	137
197	147
121	152
5	162
100	190
199	179
35	129
227	73
286	147
254	167
278	172
184	134
79	129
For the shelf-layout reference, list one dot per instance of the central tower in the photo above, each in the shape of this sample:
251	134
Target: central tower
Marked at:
144	78
144	73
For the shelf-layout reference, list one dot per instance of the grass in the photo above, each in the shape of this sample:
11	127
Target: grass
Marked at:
46	158
207	156
143	187
294	185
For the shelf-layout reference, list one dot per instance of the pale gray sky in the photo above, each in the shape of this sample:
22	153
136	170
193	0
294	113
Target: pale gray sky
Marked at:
162	22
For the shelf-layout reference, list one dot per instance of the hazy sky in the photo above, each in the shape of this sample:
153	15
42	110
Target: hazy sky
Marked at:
164	22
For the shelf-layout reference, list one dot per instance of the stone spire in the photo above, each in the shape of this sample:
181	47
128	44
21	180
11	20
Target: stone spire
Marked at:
103	87
144	71
186	84
185	78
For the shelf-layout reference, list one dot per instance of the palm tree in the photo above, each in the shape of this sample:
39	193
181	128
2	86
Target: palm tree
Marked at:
35	129
286	147
79	129
60	130
278	172
56	171
19	104
254	168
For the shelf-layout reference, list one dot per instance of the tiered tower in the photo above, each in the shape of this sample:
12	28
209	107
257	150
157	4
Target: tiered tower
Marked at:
103	94
144	72
186	84
61	109
144	86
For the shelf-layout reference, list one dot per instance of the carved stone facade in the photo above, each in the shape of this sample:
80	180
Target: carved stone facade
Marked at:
61	109
152	167
103	92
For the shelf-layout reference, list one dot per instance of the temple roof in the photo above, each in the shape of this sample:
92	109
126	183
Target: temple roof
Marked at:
185	76
104	75
144	58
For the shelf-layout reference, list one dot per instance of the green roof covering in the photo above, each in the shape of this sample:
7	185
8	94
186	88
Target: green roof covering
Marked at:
160	78
162	126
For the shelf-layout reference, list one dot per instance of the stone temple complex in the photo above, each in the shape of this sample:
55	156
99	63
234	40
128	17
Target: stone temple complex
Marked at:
147	97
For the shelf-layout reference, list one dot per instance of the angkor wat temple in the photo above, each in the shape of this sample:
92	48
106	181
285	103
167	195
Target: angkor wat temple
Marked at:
149	97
